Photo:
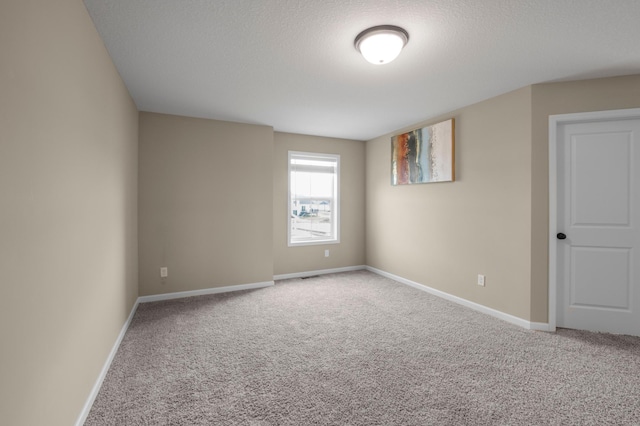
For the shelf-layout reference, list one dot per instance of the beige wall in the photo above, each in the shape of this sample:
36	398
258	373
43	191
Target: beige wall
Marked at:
563	98
480	222
351	249
205	204
68	237
213	205
444	234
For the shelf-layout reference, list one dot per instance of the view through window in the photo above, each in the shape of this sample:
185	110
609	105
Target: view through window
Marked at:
313	198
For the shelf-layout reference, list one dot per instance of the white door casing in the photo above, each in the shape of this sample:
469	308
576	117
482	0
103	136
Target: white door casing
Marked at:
595	200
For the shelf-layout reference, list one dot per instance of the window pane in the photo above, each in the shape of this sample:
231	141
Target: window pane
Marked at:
313	188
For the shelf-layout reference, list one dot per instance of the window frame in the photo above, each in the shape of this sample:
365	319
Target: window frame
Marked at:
336	198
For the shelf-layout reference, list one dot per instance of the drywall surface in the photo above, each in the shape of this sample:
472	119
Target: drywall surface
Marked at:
351	249
562	98
205	205
68	221
444	234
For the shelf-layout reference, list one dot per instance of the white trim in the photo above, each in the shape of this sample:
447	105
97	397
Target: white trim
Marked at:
540	326
553	225
313	243
320	272
554	122
464	302
153	298
205	291
144	299
335	210
105	368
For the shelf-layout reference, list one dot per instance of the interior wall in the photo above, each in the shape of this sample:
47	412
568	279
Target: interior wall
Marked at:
68	236
443	235
351	249
562	98
205	204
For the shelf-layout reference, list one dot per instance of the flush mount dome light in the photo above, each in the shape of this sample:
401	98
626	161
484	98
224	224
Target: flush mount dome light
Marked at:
382	44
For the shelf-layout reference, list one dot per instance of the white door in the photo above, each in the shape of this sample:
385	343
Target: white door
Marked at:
598	215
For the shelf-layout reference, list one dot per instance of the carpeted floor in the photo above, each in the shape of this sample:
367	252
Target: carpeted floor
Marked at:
359	349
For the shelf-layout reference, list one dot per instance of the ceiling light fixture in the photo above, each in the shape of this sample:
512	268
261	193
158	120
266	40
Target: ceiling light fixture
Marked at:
382	44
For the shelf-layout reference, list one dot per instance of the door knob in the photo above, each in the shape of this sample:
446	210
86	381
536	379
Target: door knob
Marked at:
561	236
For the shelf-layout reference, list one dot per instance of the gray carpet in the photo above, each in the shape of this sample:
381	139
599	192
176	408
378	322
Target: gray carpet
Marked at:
359	349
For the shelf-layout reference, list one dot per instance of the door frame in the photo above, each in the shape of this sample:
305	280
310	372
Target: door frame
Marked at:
555	121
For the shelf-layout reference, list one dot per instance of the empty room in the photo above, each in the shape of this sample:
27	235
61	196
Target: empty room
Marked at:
279	212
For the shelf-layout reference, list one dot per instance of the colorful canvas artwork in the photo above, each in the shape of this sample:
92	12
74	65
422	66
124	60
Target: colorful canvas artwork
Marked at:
424	155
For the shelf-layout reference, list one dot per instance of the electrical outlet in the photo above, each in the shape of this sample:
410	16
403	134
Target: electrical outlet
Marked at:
164	272
481	280
326	253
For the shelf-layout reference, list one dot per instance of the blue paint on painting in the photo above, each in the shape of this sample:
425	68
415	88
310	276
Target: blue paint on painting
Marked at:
424	154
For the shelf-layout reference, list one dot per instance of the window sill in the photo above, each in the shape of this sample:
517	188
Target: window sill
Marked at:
313	243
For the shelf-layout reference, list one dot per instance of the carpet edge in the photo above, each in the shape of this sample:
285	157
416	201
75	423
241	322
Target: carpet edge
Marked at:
203	292
538	326
319	272
105	368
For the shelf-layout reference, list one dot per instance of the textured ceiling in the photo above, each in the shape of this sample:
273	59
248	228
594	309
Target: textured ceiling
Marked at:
291	64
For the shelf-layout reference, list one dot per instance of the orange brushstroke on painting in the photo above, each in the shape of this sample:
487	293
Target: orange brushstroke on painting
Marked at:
402	161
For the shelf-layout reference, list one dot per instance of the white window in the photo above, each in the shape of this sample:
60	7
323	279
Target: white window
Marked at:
314	216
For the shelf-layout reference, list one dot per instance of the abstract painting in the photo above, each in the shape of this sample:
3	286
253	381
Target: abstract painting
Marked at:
424	155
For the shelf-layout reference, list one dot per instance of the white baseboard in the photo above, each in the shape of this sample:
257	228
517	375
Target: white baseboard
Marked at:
168	296
540	326
213	290
144	299
105	368
319	272
464	302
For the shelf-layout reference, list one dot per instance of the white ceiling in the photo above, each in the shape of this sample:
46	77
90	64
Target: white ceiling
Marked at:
291	64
